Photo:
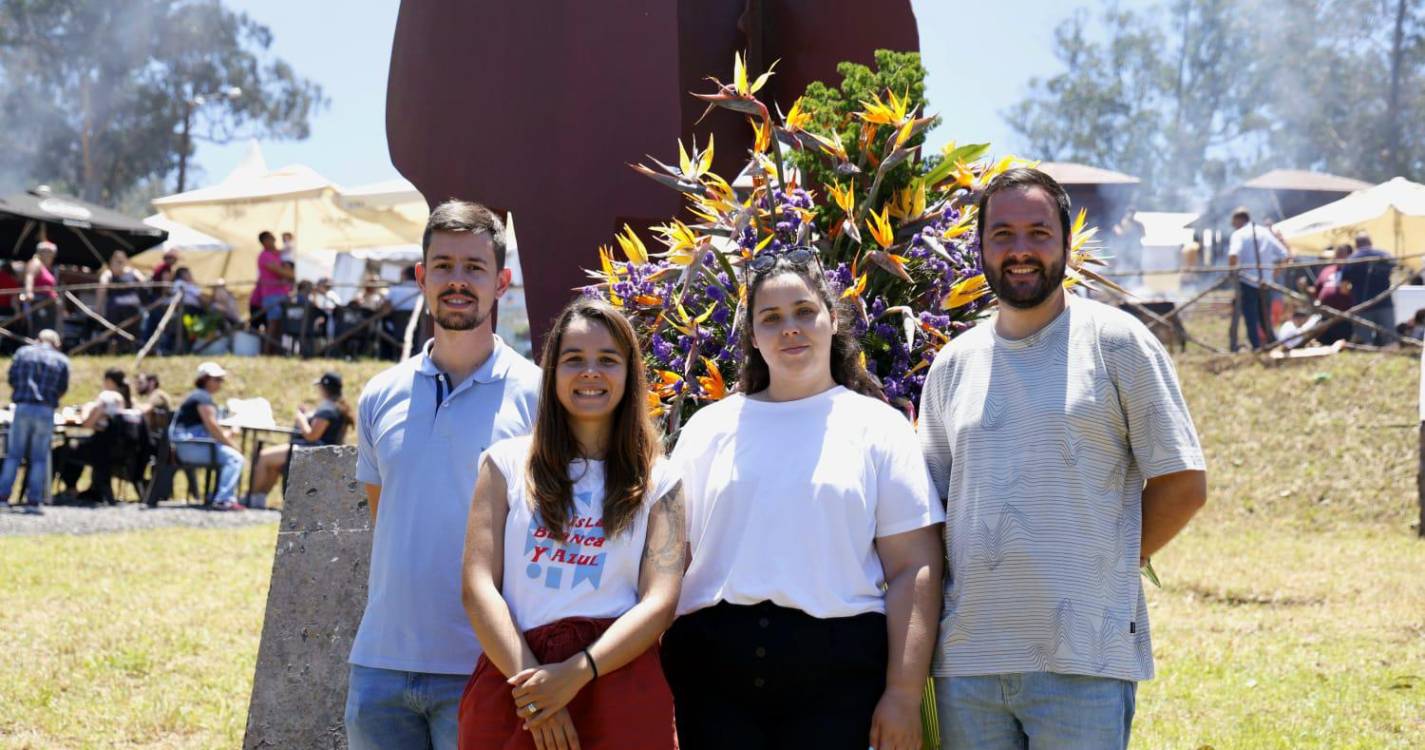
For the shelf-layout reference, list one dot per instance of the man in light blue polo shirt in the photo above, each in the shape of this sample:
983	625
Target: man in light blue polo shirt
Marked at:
421	428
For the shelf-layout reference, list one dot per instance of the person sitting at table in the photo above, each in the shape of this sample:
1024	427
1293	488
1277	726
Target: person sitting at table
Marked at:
153	401
197	419
223	302
121	304
326	425
102	417
184	284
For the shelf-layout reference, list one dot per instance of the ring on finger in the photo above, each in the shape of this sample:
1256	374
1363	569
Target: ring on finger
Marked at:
531	709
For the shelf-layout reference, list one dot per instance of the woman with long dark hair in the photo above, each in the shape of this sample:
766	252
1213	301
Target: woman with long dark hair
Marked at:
809	611
574	556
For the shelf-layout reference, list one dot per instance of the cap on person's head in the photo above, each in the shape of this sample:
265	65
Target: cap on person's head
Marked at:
49	336
330	381
212	370
46	247
1242	213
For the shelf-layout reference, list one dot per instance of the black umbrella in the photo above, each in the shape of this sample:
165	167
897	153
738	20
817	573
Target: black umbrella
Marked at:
86	234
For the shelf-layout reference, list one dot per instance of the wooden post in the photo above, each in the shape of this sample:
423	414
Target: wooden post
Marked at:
1236	311
1420	483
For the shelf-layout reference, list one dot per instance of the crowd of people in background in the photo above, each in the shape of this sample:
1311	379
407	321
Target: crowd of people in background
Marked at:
284	310
280	307
1353	275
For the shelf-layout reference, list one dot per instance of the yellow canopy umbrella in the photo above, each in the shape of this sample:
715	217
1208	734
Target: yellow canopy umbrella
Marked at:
1392	213
291	199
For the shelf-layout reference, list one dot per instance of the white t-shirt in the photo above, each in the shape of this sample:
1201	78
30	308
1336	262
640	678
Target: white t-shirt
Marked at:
588	575
1041	446
110	403
1241	246
785	501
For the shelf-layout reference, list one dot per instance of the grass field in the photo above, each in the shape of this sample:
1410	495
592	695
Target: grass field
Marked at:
1292	613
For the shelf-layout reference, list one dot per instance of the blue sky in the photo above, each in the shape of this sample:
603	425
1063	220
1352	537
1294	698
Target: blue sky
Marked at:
984	52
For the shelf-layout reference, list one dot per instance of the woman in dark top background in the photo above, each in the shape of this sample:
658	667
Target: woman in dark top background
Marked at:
325	425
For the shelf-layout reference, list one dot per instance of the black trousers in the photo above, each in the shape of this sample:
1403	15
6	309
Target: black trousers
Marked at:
763	676
97	452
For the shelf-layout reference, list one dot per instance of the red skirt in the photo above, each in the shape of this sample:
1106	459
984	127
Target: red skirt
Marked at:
630	708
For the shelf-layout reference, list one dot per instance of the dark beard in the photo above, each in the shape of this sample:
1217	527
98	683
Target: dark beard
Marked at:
1049	279
453	321
460	321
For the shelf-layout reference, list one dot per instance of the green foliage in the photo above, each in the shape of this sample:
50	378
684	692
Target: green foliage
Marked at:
94	93
834	108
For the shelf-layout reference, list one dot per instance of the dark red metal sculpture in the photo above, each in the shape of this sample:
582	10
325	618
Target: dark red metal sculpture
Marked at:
539	107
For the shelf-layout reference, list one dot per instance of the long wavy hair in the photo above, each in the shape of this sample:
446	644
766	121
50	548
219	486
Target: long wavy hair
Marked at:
633	443
846	367
116	375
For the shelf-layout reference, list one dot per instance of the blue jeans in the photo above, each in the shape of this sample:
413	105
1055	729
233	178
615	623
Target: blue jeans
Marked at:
391	709
229	460
1035	710
29	439
1384	317
1253	300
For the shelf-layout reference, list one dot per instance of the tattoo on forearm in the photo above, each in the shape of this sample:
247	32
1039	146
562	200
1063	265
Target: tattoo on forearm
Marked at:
664	547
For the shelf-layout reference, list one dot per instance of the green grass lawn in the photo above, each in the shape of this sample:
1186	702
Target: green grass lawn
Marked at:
1292	613
143	639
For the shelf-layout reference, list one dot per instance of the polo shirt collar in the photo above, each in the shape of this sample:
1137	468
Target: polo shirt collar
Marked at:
495	367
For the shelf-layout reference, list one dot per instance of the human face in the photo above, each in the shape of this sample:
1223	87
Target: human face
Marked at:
792	329
459	279
1023	246
215	385
118	260
591	373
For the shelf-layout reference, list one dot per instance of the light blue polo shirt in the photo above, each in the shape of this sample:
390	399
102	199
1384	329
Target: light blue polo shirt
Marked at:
420	437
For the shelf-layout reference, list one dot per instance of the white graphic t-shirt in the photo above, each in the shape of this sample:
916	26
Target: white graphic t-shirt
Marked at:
586	575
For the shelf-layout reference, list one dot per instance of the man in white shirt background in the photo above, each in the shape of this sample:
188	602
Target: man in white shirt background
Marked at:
1255	252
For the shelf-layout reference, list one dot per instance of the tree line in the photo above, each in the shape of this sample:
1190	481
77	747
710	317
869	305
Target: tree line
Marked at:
1194	95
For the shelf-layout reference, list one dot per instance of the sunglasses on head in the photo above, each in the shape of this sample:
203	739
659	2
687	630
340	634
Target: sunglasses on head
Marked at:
800	255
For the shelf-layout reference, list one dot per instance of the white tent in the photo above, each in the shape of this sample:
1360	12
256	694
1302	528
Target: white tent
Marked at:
294	199
182	237
1392	213
350	268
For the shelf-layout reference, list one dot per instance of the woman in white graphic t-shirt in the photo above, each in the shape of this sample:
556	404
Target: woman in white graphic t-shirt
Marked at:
810	606
574	556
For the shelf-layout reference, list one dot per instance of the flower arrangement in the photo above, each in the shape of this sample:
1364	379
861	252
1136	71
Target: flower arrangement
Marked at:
906	260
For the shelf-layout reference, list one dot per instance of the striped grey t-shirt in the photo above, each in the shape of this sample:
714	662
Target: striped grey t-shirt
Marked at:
1040	447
